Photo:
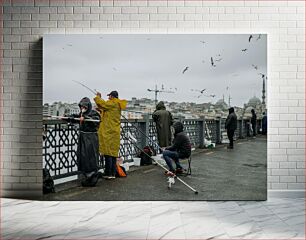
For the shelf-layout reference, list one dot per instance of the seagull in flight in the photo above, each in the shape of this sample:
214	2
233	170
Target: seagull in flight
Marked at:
250	37
186	68
218	60
256	67
202	42
197	90
201	91
212	62
244	50
262	75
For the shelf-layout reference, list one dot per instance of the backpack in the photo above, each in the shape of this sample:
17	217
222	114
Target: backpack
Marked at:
145	156
48	183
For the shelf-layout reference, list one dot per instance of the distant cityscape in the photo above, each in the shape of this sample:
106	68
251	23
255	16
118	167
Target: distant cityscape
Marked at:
138	108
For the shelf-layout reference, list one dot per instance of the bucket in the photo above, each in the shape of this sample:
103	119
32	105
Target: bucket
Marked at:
136	161
126	166
159	159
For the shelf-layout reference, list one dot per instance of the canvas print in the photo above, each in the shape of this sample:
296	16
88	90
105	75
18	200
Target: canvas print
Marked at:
155	117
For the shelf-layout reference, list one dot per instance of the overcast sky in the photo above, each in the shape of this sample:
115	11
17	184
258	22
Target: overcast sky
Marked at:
133	63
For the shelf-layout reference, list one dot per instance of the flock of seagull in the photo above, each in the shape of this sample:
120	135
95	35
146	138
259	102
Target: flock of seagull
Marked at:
213	61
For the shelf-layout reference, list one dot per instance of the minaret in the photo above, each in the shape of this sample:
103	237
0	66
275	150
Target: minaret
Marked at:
263	91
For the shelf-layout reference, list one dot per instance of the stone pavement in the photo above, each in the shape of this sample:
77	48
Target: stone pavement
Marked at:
217	174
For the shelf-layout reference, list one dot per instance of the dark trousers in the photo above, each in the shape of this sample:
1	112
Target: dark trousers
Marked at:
230	135
110	165
254	129
169	156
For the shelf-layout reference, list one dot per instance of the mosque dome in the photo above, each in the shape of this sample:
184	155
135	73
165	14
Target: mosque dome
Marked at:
254	101
221	104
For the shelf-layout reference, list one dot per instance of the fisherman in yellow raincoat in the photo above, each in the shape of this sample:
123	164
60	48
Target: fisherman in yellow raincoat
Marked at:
109	130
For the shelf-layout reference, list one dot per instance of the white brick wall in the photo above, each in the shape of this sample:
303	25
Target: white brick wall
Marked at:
25	21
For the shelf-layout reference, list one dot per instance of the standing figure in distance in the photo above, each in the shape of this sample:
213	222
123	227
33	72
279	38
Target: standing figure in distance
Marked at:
253	122
163	120
231	126
264	124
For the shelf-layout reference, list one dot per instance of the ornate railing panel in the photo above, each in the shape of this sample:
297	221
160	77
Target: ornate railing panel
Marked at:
192	128
131	139
211	132
152	134
60	144
59	148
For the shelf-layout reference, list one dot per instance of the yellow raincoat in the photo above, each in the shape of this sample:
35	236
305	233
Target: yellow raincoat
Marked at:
109	130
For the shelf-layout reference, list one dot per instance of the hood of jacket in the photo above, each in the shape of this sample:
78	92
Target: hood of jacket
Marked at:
231	110
160	106
178	127
122	103
85	102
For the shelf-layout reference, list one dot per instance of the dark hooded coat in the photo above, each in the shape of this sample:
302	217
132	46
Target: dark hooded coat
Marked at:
181	142
231	120
88	143
253	118
163	120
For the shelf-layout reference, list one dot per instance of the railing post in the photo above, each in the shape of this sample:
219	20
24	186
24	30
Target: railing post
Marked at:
146	127
240	128
202	132
218	130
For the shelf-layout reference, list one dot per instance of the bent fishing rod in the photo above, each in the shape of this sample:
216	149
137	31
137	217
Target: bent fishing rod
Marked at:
88	88
171	179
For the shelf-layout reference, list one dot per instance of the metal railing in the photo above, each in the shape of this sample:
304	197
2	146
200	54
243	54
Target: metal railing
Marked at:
61	138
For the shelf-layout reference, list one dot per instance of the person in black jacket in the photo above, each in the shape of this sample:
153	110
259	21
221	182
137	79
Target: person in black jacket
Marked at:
253	122
88	143
264	124
231	126
180	149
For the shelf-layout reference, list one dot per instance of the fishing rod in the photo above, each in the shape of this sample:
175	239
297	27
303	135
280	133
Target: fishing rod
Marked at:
171	179
72	118
82	84
127	110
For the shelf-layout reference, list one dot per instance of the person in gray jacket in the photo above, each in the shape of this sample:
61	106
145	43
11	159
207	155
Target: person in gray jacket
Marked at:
163	120
231	126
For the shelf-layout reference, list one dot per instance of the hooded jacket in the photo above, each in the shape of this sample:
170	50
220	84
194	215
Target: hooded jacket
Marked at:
109	131
86	126
231	120
90	114
87	150
163	120
254	117
181	142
